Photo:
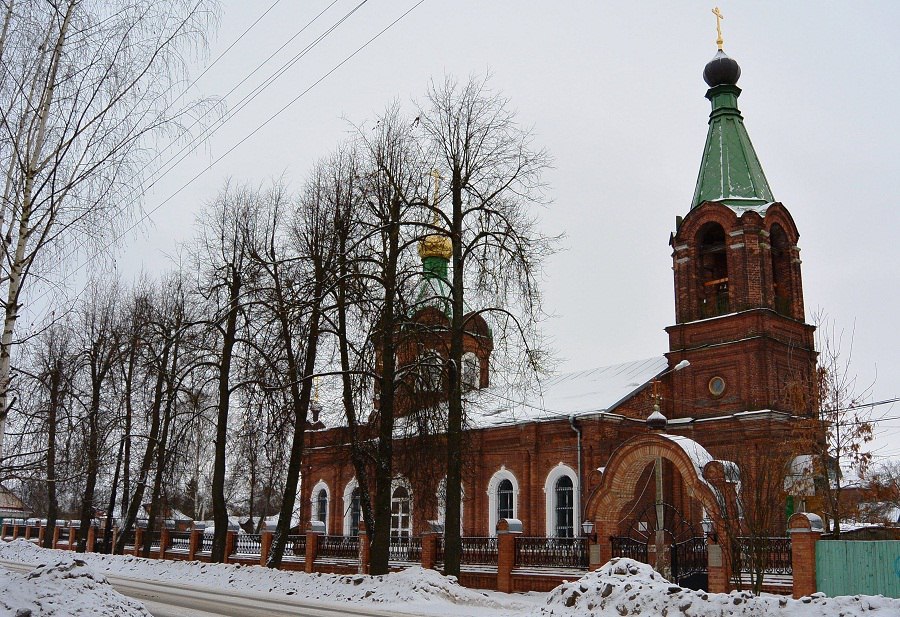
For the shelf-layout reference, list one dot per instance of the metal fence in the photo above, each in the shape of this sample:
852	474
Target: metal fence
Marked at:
180	541
623	546
552	553
248	544
689	557
406	550
206	542
338	547
765	555
296	546
479	551
155	539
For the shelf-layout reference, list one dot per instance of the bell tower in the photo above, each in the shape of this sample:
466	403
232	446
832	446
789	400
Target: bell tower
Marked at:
739	315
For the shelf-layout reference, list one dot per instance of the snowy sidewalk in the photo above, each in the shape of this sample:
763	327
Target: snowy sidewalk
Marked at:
621	587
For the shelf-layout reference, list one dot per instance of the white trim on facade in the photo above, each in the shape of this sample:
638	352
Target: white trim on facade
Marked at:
321	484
550	498
502	474
348	499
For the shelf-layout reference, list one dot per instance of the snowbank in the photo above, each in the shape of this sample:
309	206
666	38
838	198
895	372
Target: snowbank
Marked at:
414	590
628	587
63	587
621	587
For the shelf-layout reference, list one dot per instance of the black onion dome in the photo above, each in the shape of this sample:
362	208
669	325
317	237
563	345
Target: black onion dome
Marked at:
721	70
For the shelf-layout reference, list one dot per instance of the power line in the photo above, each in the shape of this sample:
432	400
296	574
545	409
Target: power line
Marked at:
152	211
211	130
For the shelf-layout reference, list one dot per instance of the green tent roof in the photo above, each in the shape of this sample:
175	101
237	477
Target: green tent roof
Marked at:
730	171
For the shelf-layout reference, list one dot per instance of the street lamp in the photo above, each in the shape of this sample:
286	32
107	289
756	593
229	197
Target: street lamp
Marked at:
588	528
709	529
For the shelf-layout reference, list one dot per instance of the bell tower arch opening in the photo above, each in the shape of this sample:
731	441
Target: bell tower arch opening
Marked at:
712	271
782	284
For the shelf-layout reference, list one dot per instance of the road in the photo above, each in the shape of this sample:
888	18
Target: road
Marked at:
178	600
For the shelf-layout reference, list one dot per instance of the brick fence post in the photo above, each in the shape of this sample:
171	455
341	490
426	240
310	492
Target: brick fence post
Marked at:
429	550
507	531
91	539
165	537
42	531
600	550
56	536
364	548
27	535
230	538
138	540
2	531
265	542
73	535
805	529
312	547
718	563
15	530
194	543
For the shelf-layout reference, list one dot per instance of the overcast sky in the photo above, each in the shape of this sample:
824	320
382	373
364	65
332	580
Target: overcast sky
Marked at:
614	91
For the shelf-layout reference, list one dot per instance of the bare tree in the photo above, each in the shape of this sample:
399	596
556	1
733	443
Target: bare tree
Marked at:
85	86
835	437
392	192
99	350
494	181
226	270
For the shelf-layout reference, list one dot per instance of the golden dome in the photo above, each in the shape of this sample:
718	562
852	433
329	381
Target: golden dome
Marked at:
435	246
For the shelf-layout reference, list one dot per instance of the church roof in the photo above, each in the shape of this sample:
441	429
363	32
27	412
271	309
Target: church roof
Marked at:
730	171
577	393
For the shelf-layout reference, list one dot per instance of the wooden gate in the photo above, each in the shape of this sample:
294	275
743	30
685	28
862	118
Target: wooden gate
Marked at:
850	567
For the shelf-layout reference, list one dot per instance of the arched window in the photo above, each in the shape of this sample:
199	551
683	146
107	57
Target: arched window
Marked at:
565	508
352	508
471	372
781	270
319	498
401	522
562	502
712	274
322	505
431	372
503	498
442	504
355	511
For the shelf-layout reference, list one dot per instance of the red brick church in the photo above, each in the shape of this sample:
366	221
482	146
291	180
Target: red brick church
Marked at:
633	448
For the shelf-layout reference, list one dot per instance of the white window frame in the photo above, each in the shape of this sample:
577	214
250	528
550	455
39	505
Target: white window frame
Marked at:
502	474
348	500
314	503
441	496
395	484
555	474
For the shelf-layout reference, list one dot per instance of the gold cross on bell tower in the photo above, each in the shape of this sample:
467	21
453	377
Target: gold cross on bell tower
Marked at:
719	17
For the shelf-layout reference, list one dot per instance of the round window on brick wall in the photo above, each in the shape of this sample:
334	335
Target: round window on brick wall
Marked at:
717	386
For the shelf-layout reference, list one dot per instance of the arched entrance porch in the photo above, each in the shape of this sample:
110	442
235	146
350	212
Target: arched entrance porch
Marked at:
653	490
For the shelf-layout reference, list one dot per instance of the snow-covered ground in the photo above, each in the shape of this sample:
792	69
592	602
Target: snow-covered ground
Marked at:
64	586
627	587
621	587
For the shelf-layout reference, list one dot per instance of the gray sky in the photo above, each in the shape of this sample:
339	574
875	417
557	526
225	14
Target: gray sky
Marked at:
614	91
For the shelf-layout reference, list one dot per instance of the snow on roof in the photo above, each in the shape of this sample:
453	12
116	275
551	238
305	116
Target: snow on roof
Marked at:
697	453
598	390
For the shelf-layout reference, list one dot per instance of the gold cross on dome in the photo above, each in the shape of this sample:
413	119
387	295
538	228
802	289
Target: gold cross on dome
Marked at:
719	18
437	183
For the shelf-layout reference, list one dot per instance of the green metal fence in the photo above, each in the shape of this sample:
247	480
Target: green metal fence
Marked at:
850	567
